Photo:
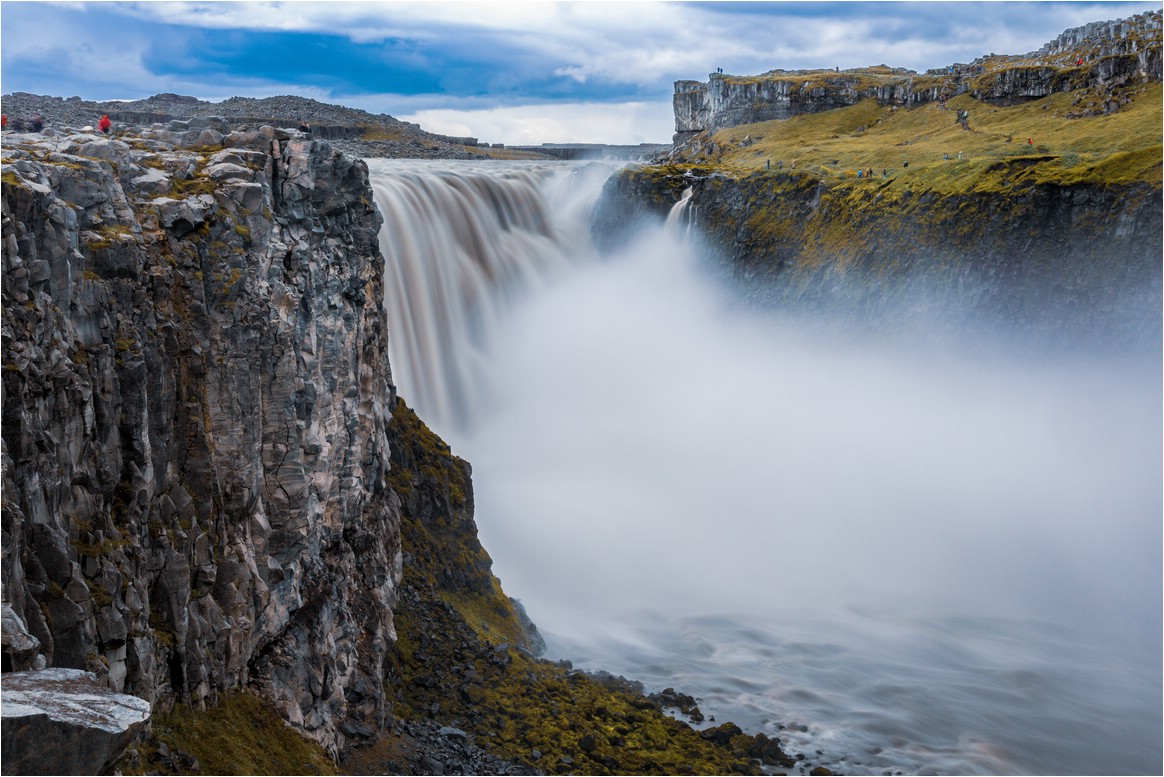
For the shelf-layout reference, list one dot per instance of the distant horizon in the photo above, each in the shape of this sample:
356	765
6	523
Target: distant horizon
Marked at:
512	73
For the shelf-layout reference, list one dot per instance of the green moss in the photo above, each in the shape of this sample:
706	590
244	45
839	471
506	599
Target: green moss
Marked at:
101	597
198	184
241	734
162	631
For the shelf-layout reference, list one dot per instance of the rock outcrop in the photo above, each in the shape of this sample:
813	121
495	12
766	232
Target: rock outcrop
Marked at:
62	721
1063	261
196	396
351	130
1102	55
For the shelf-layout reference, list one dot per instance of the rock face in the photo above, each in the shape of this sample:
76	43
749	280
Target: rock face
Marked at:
1065	261
62	721
1112	53
196	396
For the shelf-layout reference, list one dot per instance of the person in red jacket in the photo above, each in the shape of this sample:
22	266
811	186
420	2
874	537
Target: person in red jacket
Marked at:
104	124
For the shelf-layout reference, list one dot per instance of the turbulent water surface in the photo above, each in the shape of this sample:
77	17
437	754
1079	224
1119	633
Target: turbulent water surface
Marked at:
897	552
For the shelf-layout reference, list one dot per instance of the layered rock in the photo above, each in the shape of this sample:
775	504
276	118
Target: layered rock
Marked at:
196	395
1101	55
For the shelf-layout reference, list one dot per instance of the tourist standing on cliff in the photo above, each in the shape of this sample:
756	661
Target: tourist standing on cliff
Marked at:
36	122
104	124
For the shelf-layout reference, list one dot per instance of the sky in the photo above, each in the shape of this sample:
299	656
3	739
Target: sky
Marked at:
510	72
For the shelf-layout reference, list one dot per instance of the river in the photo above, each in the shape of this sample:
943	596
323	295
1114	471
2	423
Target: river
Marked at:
902	549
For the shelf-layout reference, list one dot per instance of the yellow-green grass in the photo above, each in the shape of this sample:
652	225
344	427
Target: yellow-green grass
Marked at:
507	153
1121	147
242	734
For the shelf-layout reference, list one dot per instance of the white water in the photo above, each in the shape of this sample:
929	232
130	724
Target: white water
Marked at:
933	560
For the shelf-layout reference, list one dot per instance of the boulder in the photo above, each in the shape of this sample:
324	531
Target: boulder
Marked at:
61	721
20	648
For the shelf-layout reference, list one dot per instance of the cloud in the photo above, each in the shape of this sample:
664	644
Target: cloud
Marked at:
633	122
476	56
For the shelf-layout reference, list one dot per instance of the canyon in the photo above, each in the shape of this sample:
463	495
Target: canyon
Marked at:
211	484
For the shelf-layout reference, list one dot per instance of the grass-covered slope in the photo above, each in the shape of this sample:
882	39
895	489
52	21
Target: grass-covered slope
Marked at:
1120	147
241	734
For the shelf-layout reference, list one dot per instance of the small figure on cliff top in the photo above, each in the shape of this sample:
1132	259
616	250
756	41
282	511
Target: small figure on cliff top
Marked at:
305	127
104	124
3	121
37	122
767	164
869	173
860	173
780	165
1030	141
793	164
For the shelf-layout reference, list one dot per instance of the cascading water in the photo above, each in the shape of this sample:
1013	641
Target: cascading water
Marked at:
682	212
893	556
463	243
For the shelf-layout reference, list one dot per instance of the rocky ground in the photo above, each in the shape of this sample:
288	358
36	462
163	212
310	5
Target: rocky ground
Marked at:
350	130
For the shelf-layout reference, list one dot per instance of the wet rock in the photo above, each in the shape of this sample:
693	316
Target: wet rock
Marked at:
721	734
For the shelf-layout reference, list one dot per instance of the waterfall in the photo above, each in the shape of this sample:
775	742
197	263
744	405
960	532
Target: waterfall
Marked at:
462	242
683	213
900	550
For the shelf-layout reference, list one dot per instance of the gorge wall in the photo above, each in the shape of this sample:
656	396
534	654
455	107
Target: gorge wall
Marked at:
196	398
1112	53
1035	256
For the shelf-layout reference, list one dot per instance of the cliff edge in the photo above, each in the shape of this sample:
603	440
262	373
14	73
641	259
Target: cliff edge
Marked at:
196	399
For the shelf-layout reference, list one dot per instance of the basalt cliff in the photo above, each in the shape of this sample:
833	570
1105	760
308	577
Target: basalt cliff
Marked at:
196	400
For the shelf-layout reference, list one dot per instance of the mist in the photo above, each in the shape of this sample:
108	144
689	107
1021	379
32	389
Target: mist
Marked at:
655	448
931	545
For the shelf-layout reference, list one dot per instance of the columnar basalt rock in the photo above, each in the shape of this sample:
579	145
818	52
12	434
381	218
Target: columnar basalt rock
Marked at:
196	396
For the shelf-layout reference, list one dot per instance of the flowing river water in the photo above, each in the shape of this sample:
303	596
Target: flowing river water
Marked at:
909	551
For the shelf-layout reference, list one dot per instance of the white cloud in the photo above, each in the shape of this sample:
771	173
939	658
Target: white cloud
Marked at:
633	122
